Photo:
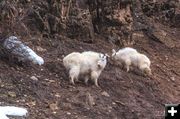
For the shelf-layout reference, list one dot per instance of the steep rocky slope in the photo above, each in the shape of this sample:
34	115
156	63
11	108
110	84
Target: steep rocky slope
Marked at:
55	28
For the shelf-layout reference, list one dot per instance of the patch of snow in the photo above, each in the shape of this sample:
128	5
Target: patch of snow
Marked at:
12	111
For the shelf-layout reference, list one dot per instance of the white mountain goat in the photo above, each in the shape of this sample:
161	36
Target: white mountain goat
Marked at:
90	64
21	51
11	111
130	57
120	56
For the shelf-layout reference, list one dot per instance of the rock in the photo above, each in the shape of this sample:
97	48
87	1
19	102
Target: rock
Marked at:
119	102
51	81
2	85
34	78
160	34
28	0
68	113
31	103
11	94
14	47
136	36
164	37
54	112
104	93
40	49
53	106
172	78
177	20
57	95
66	106
89	99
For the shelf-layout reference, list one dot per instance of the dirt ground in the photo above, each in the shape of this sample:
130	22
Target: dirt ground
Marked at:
47	94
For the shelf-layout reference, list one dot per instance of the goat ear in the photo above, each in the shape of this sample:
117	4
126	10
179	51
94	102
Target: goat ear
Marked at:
113	51
107	55
101	55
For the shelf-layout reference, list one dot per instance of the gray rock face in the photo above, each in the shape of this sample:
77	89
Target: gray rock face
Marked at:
21	51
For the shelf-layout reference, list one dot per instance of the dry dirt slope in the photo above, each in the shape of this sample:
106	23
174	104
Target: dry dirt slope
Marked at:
45	90
131	96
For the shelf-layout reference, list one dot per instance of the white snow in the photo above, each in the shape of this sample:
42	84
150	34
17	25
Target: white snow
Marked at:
11	111
3	116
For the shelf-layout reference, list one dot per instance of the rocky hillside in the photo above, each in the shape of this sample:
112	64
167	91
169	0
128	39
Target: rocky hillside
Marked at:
55	28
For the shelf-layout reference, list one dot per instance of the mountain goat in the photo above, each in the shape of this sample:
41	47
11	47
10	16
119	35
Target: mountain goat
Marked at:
130	57
90	64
